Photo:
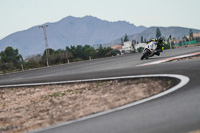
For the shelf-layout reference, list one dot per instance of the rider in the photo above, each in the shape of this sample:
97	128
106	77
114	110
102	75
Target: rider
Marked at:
160	45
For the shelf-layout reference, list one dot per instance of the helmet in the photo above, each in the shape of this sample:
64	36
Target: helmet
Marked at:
160	40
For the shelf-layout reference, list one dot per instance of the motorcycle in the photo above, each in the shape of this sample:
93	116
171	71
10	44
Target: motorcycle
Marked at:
149	50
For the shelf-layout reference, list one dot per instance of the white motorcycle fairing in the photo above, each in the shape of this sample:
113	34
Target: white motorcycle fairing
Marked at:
149	50
151	47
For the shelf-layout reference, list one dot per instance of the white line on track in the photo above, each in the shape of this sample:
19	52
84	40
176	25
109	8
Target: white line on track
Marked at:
183	81
170	59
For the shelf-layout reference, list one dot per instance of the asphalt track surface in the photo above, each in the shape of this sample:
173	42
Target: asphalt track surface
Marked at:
177	112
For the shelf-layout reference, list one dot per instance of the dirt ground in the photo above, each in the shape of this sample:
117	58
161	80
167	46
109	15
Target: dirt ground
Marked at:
24	109
198	131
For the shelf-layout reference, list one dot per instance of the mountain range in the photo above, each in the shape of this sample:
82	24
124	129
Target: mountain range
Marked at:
80	31
68	31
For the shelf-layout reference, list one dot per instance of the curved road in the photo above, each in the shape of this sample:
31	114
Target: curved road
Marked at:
178	112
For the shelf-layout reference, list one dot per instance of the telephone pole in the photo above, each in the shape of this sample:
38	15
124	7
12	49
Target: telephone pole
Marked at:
46	42
170	37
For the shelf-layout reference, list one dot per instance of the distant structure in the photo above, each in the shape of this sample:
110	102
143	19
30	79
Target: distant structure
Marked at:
195	35
46	42
119	47
128	47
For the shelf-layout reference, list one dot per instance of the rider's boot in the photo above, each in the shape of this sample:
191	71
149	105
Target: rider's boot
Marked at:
157	53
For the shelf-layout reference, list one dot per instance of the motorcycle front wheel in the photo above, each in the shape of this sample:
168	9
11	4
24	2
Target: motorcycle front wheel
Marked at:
144	55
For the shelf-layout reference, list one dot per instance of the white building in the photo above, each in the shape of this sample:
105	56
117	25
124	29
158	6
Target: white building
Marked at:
128	47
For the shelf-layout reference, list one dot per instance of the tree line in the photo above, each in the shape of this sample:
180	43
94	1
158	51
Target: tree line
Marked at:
11	60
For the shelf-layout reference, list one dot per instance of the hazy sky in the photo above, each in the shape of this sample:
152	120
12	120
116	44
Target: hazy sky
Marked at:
17	15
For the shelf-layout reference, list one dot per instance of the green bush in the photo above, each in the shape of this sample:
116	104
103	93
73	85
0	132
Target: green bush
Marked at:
166	46
140	49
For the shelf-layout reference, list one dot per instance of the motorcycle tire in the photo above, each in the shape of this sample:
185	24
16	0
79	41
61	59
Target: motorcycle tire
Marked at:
144	55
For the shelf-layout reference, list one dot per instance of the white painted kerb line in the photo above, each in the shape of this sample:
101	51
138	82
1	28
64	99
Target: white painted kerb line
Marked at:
170	59
183	81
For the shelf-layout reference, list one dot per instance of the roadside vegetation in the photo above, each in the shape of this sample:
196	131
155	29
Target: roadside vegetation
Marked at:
11	60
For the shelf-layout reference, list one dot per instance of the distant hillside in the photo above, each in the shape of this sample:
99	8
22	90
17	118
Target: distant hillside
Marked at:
176	32
69	31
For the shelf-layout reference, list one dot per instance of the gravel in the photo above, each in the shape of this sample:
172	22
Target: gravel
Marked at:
24	109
